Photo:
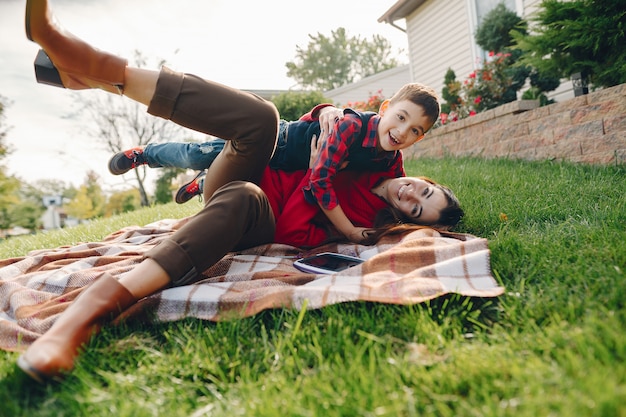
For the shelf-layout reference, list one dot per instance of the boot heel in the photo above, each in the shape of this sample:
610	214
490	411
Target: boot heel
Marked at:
45	71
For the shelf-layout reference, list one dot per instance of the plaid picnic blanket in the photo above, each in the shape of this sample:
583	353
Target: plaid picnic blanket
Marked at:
403	269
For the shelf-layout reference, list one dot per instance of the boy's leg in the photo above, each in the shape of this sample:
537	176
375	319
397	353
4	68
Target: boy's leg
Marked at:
196	156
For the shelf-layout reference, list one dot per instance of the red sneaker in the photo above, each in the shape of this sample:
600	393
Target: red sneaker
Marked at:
122	162
191	189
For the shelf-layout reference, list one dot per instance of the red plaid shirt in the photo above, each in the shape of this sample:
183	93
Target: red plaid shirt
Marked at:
335	151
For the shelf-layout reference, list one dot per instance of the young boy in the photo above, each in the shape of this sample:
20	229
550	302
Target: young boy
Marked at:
363	141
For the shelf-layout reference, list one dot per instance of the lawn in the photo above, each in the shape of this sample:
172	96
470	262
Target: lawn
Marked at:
553	345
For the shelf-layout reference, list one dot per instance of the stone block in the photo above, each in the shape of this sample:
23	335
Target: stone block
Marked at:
617	92
614	124
568	105
515	107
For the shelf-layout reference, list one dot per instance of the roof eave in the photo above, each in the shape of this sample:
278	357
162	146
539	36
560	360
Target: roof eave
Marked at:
400	10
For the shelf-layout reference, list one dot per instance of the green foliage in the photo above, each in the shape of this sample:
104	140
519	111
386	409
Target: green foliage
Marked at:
330	62
501	76
89	201
9	188
494	33
450	92
4	149
123	202
27	214
586	36
553	344
163	191
293	104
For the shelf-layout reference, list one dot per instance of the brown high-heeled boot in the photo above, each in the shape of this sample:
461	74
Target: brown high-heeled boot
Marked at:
75	64
54	352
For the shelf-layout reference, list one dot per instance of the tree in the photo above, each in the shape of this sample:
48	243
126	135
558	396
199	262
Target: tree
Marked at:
123	202
9	186
578	36
450	92
122	124
27	213
89	201
330	62
502	75
293	104
494	32
163	191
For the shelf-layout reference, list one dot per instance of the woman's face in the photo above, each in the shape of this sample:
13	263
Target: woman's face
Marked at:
418	199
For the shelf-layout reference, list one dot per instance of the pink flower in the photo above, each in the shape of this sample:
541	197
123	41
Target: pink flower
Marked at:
472	113
444	118
491	53
478	99
472	75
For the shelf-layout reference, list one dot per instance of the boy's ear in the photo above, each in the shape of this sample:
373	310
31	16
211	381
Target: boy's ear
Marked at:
383	107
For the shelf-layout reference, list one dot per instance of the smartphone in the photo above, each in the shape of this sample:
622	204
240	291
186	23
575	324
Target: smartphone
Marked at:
326	263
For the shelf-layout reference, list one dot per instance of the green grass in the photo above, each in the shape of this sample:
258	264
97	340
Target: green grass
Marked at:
553	345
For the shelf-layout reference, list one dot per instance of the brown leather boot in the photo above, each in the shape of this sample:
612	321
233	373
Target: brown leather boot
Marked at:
79	65
53	353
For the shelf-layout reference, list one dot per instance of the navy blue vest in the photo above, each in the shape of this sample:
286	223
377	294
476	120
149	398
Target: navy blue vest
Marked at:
294	153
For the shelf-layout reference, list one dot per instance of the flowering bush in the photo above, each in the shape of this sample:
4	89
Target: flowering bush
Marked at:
488	87
371	104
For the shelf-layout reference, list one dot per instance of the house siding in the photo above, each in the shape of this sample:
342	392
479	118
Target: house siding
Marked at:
388	82
439	38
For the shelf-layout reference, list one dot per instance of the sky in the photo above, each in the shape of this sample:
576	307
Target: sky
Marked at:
244	44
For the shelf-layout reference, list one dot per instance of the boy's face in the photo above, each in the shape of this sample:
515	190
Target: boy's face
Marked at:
401	125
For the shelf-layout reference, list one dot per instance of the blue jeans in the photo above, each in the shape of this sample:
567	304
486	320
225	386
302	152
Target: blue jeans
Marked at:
199	156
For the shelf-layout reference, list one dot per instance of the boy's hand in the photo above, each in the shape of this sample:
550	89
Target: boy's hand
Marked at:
328	117
360	235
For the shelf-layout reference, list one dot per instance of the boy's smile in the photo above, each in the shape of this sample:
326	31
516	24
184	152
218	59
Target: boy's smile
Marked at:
401	125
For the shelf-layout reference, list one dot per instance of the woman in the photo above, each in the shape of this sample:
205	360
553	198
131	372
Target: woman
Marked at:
238	213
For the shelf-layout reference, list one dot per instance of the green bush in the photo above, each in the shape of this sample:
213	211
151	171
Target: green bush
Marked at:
501	76
578	36
293	104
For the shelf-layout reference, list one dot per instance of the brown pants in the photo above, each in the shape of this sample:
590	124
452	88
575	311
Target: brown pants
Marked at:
237	213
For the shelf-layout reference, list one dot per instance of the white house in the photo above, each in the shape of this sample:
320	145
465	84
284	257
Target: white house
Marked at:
387	82
441	36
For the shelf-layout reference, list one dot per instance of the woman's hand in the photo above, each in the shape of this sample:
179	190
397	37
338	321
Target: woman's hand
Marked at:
315	150
328	117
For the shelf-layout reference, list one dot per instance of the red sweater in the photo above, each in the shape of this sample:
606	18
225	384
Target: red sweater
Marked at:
303	224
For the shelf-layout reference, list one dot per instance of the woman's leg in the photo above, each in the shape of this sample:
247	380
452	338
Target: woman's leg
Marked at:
238	216
53	353
94	69
247	121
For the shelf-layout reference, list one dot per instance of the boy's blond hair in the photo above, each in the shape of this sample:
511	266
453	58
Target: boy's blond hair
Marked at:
421	95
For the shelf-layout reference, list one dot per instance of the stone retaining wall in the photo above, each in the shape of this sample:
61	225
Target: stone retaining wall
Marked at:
587	129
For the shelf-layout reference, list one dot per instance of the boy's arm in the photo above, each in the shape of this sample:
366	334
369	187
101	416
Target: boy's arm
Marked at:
327	115
336	215
341	222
